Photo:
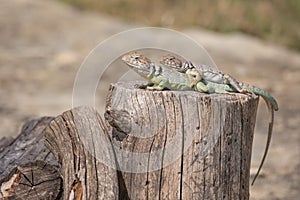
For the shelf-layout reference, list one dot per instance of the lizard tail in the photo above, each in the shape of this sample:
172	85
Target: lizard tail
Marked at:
270	129
264	94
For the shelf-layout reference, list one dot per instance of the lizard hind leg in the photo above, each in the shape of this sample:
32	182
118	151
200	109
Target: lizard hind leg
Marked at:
245	91
164	84
223	91
236	84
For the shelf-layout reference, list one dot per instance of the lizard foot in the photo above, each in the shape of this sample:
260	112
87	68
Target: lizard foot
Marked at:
223	92
245	91
152	88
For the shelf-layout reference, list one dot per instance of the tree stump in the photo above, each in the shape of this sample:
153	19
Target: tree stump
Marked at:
28	169
182	144
153	145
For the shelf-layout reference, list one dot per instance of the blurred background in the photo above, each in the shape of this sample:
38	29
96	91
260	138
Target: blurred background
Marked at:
276	20
43	44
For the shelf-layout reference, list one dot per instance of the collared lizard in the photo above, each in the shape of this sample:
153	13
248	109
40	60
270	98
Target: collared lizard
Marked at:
163	77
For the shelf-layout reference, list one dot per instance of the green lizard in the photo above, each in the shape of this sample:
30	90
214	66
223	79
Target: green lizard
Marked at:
168	75
163	77
218	82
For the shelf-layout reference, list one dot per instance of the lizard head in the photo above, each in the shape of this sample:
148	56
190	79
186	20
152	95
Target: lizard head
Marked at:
138	62
171	61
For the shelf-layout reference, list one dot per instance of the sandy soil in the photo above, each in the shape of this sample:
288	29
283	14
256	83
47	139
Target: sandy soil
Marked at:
43	44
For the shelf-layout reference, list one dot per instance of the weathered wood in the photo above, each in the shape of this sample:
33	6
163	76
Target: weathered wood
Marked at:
5	141
191	145
165	145
70	168
28	169
80	143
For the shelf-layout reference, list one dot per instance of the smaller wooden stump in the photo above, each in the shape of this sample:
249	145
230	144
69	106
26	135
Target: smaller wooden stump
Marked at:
33	180
182	144
28	169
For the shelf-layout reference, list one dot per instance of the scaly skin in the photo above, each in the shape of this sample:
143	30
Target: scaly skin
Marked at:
162	76
169	75
201	72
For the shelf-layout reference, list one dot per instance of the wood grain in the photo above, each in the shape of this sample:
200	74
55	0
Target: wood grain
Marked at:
74	138
196	146
28	169
153	145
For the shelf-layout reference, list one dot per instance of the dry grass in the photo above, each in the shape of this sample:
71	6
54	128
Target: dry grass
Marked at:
274	20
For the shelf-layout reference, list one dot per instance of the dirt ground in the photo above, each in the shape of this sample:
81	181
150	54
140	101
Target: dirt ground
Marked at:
43	44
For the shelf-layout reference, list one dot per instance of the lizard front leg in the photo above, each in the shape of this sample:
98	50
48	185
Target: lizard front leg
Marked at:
162	84
196	75
156	87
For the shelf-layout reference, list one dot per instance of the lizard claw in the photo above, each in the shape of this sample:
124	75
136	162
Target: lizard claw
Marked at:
150	88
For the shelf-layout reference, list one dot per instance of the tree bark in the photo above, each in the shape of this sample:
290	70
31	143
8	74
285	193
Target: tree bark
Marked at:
191	145
82	146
